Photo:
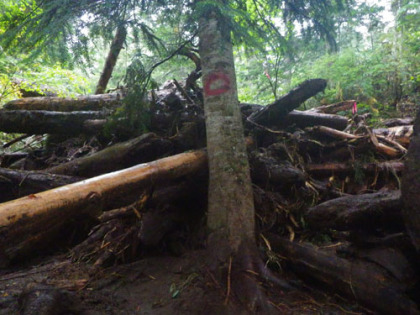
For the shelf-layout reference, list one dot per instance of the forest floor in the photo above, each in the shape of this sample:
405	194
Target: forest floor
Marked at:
162	284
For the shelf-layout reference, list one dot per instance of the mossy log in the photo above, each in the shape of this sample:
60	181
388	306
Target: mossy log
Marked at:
145	148
360	212
30	222
365	282
67	104
41	122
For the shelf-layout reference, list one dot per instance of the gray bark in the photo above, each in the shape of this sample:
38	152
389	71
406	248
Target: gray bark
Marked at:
231	208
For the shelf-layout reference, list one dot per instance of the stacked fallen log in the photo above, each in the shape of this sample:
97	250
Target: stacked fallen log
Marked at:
319	182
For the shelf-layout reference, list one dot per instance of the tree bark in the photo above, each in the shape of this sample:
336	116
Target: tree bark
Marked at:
28	222
40	122
114	51
231	209
271	114
365	282
360	212
333	108
328	169
411	187
15	184
145	148
67	104
307	119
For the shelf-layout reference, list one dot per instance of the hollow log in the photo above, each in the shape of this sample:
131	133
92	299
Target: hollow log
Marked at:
40	122
29	222
307	119
145	148
410	188
15	184
271	114
67	104
367	283
360	212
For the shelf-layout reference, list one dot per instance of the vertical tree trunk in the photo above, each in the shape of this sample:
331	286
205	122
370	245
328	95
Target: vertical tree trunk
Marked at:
410	189
231	208
111	60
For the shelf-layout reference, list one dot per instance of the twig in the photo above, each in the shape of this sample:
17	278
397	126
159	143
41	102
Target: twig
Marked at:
228	281
8	144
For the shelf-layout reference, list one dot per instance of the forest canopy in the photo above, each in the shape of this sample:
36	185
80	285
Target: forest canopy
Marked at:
277	45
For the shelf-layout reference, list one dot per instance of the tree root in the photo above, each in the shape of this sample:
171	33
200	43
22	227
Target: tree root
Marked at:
246	276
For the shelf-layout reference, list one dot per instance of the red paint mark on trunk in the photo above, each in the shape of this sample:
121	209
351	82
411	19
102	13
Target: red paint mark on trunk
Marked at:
216	83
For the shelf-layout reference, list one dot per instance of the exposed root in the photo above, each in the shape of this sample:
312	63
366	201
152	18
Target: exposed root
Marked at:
246	276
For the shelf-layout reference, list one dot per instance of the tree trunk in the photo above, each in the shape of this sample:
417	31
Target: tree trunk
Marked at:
411	187
67	104
363	281
115	49
145	148
15	184
271	114
333	108
40	122
307	119
360	212
27	222
231	209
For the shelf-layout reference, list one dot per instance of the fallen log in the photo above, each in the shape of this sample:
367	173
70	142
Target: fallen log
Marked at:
410	188
395	122
145	148
266	170
333	108
307	119
358	212
28	223
40	122
67	104
367	283
400	134
328	169
15	184
270	114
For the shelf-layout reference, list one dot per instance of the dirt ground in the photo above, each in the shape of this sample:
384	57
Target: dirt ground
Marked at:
154	285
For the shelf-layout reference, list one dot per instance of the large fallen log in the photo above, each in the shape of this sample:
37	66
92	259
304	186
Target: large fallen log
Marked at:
66	104
410	188
40	122
29	222
308	119
15	184
270	114
145	148
362	281
360	212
